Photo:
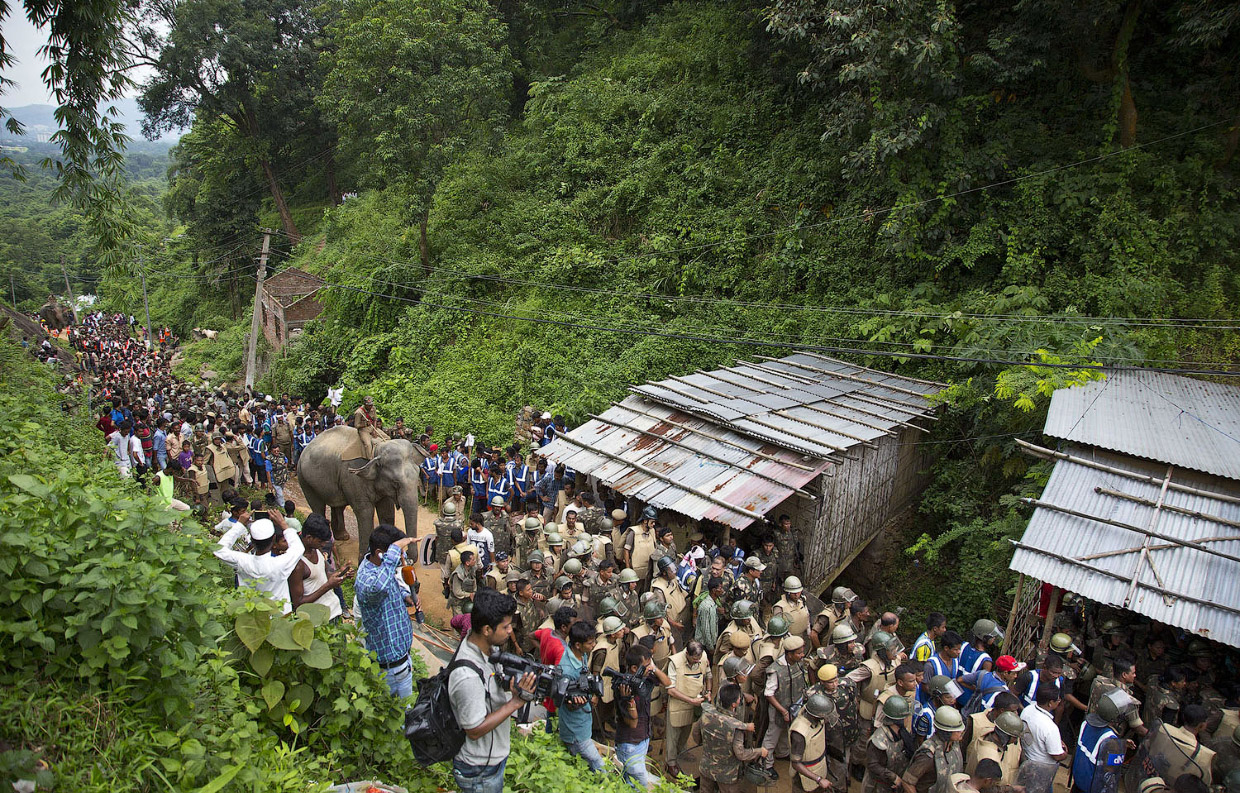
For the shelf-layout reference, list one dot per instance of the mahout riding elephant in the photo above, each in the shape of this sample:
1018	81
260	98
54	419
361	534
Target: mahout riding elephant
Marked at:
333	473
56	316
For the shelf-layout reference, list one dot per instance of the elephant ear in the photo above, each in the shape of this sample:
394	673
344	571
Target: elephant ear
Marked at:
368	471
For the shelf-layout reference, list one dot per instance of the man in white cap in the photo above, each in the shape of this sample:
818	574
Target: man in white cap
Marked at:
259	568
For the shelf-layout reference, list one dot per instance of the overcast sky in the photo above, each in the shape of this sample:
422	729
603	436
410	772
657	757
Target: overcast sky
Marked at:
24	40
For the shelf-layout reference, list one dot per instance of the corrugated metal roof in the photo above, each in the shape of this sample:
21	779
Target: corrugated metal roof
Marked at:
805	402
1173	419
748	435
1184	570
737	470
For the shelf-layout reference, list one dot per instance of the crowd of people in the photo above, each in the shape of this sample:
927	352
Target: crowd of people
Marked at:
711	642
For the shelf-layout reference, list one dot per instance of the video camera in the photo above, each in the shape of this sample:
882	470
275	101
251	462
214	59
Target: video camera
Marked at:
551	682
638	684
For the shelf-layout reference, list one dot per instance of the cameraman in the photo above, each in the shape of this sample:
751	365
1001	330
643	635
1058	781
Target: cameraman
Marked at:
633	714
483	709
576	719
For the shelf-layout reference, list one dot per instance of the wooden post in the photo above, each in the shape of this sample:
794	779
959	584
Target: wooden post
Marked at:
1050	614
251	353
1011	623
69	289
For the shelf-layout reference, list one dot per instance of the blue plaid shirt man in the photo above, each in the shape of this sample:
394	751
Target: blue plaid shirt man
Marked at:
381	600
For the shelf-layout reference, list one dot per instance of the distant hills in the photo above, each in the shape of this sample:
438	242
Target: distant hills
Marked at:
40	123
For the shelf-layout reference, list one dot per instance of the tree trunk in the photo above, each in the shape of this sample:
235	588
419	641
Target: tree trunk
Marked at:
277	195
333	189
1127	107
1233	143
423	245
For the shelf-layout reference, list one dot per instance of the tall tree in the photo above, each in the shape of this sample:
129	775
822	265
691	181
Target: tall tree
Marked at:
237	60
410	85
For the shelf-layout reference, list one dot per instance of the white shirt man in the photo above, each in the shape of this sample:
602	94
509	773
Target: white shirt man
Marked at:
260	570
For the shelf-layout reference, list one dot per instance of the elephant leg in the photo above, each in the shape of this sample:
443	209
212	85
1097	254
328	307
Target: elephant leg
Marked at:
365	514
386	511
338	529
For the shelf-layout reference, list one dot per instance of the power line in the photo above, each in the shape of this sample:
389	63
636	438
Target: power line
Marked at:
787	345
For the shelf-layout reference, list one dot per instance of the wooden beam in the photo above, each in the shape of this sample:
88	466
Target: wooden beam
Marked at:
701	453
1120	576
1192	513
861	368
1137	549
863	423
1156	481
853	377
796	378
1144	558
894	404
713	437
863	411
832	430
1129	527
1011	623
749	513
778	428
684	394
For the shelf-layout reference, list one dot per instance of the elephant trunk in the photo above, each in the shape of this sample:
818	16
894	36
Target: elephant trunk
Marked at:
409	508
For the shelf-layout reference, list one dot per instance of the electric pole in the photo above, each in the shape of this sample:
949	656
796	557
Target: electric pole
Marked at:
145	304
12	292
251	354
68	289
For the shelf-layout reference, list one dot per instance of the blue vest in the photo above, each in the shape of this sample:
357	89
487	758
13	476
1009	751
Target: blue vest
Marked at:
497	487
520	476
970	661
940	668
257	450
431	467
478	481
446	471
1089	757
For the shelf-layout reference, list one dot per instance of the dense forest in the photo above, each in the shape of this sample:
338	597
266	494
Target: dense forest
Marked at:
544	201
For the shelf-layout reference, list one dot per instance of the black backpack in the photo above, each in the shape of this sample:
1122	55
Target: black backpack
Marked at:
430	725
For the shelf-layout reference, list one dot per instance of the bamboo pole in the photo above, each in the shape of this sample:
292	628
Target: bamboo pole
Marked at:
1011	623
1192	513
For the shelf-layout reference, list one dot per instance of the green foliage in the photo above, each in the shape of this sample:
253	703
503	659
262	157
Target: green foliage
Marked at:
224	355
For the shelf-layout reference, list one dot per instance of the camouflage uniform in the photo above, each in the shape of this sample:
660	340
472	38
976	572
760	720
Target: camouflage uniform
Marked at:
770	579
500	528
722	753
745	588
529	616
786	553
632	601
527	543
443	536
591	518
661	550
541	582
596	590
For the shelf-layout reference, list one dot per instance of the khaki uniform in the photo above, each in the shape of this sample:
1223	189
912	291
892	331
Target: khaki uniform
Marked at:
751	628
596	590
367	430
495	579
1169	752
871	679
643	544
825	622
693	681
723	750
526	543
887	693
797	613
812	740
673	595
1102	685
789	684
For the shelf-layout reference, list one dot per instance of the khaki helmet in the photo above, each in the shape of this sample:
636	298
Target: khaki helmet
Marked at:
1111	627
884	641
555	540
532	524
777	626
733	666
1114	704
792	584
449	509
650	513
562	582
742	610
820	706
987	629
939	685
607	523
896	708
581	548
653	610
550	527
1199	648
1154	784
514	575
828	672
497	501
572	567
607	606
628	576
948	719
536	556
842	594
1061	643
612	624
1009	724
843	634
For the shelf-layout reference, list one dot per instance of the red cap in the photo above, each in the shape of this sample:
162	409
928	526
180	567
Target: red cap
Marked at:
1007	663
434	447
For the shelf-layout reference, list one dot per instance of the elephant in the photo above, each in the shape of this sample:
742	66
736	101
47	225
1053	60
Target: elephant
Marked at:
56	316
382	484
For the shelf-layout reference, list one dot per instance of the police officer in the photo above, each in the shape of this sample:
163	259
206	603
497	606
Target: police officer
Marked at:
654	624
602	584
722	736
785	685
638	545
607	654
1098	762
936	760
539	579
1001	744
748	586
463	582
875	674
843	694
527	542
1123	674
448	520
889	748
826	620
1110	644
769	580
564	596
668	589
497	576
841	649
1170	751
529	616
788	547
735	669
739	647
903	686
497	521
814	756
792	607
742	621
630	597
553	557
1226	752
689	673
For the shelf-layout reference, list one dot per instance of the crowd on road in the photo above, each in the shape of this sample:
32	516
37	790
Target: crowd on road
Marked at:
715	641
